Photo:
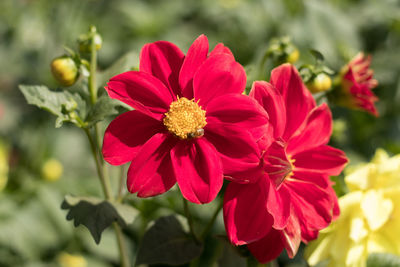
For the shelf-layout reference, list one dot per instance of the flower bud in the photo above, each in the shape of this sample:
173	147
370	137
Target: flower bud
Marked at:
64	70
52	170
3	165
355	84
293	56
69	260
85	44
282	50
320	83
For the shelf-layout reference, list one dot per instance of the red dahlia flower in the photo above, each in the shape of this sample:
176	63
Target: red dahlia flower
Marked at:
293	199
190	125
357	82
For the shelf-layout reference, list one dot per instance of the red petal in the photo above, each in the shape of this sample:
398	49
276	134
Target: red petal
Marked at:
240	110
151	171
245	215
292	236
308	232
334	200
308	176
142	91
126	134
195	56
268	248
218	75
298	99
198	170
317	131
270	98
163	60
312	204
278	205
336	207
237	148
324	159
221	49
308	235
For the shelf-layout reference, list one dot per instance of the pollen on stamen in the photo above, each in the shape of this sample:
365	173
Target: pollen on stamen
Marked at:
185	118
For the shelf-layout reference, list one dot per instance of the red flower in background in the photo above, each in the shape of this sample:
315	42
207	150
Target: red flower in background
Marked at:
190	124
293	199
357	82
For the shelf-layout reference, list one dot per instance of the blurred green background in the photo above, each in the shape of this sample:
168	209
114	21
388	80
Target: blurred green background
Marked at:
33	230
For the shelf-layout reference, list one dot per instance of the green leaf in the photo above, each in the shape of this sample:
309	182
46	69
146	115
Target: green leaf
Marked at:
97	214
60	103
317	55
105	106
383	260
165	242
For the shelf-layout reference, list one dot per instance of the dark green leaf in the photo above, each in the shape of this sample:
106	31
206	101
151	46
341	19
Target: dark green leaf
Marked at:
383	260
97	214
166	243
58	103
317	55
105	106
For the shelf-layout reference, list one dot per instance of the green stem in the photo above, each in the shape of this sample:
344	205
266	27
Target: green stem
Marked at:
121	183
210	224
93	67
121	245
189	219
105	183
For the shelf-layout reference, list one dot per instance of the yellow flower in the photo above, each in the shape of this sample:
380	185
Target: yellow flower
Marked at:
370	216
69	260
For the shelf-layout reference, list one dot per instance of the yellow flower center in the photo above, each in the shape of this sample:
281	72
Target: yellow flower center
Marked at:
185	119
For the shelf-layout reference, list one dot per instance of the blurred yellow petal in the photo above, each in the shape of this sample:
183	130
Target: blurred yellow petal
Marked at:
357	256
379	243
376	209
358	229
380	156
359	179
319	250
350	204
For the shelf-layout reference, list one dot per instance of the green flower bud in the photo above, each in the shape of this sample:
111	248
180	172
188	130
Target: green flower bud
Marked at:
85	44
64	70
70	260
293	56
52	170
282	50
4	156
320	83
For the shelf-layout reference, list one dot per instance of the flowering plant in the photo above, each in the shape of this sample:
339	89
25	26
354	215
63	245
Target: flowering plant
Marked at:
187	129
